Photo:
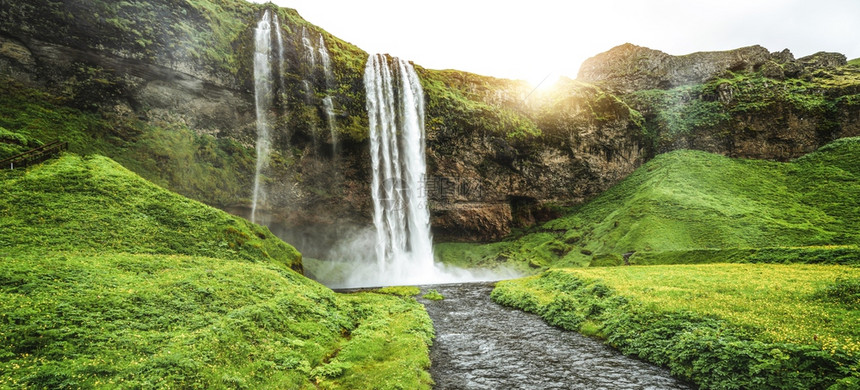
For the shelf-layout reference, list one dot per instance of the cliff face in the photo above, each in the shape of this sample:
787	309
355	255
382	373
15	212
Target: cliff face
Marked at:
508	159
743	103
166	88
171	84
628	68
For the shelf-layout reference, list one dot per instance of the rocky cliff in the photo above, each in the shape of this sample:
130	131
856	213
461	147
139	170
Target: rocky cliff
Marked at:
166	88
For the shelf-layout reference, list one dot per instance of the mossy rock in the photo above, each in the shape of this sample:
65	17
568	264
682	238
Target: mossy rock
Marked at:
606	260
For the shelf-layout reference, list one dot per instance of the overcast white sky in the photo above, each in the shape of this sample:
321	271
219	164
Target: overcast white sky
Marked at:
535	38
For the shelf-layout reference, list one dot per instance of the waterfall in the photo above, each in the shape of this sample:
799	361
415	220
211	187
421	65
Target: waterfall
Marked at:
280	52
332	127
328	105
310	56
395	108
262	98
326	61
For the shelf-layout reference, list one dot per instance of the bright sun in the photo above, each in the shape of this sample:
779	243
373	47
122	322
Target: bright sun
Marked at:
544	81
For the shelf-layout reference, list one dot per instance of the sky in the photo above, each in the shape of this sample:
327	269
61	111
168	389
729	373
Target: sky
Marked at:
537	40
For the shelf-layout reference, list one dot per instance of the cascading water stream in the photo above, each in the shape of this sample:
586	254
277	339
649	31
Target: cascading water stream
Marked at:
310	54
280	38
262	98
398	249
310	59
328	105
395	106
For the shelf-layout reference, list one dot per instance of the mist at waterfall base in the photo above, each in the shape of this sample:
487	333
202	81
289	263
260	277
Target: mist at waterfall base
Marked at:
352	263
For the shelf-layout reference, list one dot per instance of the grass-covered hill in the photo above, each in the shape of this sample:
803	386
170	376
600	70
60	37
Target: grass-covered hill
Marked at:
93	204
108	281
690	206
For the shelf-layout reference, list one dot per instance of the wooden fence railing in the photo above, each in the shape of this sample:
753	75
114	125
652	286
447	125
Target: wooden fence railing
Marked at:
34	156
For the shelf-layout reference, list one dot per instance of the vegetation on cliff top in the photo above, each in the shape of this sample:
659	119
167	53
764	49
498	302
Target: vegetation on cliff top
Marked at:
462	102
724	103
199	32
110	281
688	200
726	326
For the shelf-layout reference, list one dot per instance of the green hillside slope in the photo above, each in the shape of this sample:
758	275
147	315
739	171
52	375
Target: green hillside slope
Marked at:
110	281
94	204
689	200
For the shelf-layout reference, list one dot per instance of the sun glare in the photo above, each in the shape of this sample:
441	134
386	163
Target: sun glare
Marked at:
543	82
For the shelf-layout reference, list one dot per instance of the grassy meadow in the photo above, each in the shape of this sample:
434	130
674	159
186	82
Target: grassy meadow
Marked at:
109	281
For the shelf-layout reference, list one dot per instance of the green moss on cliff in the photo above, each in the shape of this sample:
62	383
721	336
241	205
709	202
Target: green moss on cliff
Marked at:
675	112
572	108
200	32
455	104
200	166
735	101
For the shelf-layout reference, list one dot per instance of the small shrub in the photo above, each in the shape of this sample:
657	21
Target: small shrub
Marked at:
843	291
433	295
331	370
401	291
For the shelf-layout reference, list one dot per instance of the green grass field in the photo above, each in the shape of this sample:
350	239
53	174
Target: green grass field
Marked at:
110	281
782	303
723	326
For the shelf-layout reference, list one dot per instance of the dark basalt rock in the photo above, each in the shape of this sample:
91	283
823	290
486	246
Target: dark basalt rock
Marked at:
823	60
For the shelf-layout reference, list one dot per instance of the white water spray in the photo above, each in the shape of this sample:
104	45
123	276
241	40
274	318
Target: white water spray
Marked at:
262	98
332	127
326	61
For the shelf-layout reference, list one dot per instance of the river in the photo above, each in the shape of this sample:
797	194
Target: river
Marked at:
482	345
